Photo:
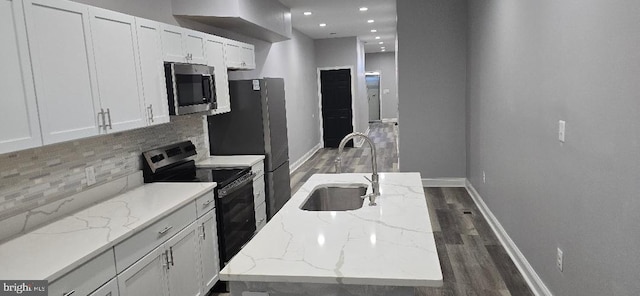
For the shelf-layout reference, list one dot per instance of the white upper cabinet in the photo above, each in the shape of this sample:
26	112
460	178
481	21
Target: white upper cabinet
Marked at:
215	58
239	55
63	69
118	74
19	123
181	45
151	65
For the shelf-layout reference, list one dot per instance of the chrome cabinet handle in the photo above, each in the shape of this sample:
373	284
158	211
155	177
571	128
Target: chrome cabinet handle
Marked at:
204	234
163	231
69	293
171	253
104	121
109	117
206	203
165	260
151	109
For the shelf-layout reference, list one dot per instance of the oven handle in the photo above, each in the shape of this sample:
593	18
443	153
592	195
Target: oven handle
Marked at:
236	185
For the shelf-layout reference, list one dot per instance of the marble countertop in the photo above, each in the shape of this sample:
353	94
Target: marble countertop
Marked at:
57	248
230	161
388	244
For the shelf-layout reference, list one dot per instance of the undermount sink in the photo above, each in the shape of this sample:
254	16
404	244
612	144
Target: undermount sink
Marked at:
342	197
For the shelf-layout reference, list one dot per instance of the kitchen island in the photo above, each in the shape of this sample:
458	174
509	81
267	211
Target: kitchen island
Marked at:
385	249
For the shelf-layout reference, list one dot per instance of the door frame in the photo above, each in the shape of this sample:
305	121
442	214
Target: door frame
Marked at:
353	117
378	73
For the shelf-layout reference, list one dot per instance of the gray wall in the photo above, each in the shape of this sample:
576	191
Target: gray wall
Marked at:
385	63
293	60
532	63
431	87
347	52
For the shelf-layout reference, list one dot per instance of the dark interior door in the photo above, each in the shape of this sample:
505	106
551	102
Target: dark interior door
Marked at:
337	116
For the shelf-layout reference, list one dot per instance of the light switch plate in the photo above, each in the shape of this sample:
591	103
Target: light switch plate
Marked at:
561	130
559	259
90	173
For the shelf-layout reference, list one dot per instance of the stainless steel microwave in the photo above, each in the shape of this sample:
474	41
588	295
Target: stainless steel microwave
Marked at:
190	88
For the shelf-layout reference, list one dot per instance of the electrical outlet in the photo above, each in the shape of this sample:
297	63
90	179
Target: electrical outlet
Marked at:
90	173
484	177
559	259
561	130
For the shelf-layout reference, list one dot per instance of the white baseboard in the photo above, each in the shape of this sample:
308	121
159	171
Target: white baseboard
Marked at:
535	282
444	182
296	165
387	120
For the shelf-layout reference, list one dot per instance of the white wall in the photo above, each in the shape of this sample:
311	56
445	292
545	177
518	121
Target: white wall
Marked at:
385	64
293	60
432	87
532	63
347	52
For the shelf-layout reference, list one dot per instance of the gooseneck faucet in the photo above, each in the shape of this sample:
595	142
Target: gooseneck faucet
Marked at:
375	183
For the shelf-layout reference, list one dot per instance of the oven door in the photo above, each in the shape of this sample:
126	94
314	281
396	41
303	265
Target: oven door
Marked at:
191	88
236	217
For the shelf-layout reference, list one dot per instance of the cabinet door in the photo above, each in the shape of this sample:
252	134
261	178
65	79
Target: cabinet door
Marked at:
116	57
247	56
147	277
154	88
209	260
194	44
232	54
63	69
19	123
172	47
184	279
215	58
108	289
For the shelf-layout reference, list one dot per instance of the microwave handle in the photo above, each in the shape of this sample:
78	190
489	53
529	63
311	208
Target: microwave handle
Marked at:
212	90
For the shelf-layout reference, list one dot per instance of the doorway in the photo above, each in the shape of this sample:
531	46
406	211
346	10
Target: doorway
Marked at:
373	95
336	104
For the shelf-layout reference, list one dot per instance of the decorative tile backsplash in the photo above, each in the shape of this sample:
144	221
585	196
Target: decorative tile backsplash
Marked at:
34	177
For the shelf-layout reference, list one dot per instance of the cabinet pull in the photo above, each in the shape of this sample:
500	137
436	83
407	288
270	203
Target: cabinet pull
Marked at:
171	253
206	203
151	111
163	231
109	117
204	234
69	293
165	260
104	121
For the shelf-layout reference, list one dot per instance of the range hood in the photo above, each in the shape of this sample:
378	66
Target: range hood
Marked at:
267	20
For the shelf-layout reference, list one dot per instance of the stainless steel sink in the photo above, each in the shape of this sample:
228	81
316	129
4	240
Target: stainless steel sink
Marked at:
343	197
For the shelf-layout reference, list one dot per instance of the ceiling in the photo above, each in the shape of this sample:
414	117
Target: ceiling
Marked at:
343	18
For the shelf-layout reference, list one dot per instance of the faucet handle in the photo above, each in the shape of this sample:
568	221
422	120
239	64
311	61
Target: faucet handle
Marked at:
368	179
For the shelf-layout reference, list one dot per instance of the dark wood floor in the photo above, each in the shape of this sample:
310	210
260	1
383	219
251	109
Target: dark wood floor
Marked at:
472	259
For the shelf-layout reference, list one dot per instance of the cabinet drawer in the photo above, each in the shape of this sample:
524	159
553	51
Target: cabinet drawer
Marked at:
261	212
258	192
109	289
135	247
205	203
258	170
86	278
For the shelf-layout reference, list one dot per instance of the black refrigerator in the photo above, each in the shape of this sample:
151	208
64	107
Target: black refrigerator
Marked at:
257	124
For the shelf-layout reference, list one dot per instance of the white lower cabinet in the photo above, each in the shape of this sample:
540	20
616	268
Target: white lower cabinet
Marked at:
86	278
147	277
208	244
182	272
108	289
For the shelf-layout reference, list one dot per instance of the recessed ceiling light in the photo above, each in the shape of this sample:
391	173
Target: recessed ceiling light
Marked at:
323	25
382	47
307	13
383	50
363	9
374	30
370	21
377	37
380	42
